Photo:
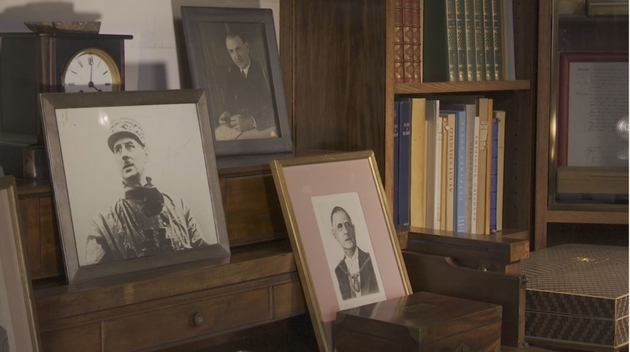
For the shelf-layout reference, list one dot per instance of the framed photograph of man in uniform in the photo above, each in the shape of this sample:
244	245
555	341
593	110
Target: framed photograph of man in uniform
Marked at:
18	325
233	56
342	235
135	181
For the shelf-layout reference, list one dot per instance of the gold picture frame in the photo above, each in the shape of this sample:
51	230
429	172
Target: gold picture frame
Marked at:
334	205
18	324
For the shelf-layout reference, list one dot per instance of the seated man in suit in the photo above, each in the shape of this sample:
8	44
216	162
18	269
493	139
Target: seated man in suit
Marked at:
249	104
354	272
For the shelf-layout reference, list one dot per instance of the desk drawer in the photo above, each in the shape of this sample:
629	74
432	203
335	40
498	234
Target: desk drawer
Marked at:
176	323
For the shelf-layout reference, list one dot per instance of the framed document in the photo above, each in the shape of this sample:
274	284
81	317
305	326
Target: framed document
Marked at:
592	121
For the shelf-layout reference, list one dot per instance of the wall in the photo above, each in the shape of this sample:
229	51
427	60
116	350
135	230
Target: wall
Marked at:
156	56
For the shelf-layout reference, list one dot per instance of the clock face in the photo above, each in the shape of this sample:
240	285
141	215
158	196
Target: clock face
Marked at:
90	70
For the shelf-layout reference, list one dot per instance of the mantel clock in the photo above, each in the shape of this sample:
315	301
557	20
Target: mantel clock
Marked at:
33	63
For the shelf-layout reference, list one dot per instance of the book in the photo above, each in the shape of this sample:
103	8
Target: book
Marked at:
497	39
408	45
416	23
509	66
488	43
471	57
474	193
449	196
460	30
404	155
417	191
493	176
434	163
500	115
398	42
459	192
470	110
396	158
484	107
440	43
479	42
444	174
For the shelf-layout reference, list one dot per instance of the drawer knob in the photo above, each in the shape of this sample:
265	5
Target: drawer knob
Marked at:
198	319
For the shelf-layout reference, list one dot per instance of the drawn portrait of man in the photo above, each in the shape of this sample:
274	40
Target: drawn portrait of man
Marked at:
240	84
354	271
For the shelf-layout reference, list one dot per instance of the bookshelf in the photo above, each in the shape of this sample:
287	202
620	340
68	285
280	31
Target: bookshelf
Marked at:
343	90
557	220
515	97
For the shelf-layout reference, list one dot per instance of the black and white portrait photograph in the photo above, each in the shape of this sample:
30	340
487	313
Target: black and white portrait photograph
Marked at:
233	56
243	105
137	182
348	248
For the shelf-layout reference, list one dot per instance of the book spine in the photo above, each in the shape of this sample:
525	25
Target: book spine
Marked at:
408	45
451	35
398	43
460	173
488	40
475	177
396	159
470	149
416	22
497	39
438	173
404	171
471	57
479	46
460	28
493	175
489	137
481	177
500	115
418	163
432	170
450	176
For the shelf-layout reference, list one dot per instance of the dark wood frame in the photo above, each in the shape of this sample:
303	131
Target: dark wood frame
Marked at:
19	278
192	17
562	126
50	102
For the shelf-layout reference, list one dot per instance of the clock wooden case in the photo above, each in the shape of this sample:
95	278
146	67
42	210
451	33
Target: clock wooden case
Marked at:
33	63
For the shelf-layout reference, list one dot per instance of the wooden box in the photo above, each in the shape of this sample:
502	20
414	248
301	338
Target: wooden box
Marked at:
577	296
420	322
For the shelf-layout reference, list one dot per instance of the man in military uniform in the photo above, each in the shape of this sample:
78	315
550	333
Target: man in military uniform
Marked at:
354	272
143	221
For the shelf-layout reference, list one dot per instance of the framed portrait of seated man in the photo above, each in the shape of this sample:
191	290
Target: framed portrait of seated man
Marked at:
233	56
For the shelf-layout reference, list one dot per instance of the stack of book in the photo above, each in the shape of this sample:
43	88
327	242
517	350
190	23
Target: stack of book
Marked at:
468	40
449	156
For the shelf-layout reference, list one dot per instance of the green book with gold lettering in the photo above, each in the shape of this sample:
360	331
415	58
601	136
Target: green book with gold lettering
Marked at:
440	42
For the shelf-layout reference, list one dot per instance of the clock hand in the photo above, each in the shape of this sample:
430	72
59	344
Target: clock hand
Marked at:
91	62
91	85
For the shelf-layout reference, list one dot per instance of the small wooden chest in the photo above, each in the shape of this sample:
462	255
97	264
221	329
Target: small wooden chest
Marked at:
577	296
420	322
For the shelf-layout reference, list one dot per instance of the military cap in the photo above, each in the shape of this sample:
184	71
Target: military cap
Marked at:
124	127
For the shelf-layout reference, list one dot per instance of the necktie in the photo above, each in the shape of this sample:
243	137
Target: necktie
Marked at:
243	73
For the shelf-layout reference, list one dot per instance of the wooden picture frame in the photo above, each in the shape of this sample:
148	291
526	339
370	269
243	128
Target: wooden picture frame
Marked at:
341	191
586	135
217	68
134	179
18	322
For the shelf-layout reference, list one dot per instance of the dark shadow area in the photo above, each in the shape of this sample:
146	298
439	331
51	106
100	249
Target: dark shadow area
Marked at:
13	18
152	76
597	234
180	42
